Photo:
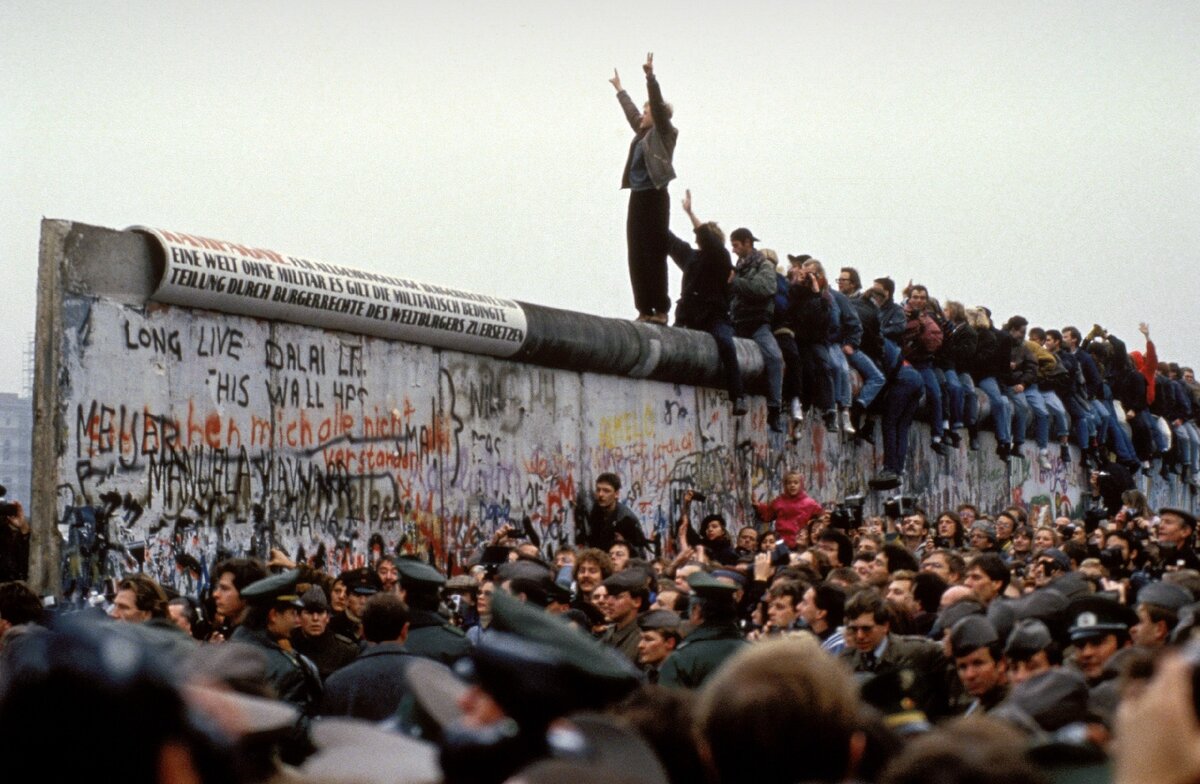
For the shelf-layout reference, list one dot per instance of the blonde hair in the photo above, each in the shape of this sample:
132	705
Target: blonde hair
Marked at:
977	318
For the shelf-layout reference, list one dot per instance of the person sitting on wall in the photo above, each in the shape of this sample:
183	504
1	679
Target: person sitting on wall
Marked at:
752	289
610	521
704	303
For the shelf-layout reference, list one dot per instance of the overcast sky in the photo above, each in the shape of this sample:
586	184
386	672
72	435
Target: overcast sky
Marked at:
1036	157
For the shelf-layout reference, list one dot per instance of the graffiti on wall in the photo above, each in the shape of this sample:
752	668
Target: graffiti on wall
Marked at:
189	436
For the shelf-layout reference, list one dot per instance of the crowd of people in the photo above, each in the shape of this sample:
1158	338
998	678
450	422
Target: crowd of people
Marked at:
908	350
813	644
810	643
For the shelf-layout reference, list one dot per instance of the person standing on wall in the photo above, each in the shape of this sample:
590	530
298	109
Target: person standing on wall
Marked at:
647	171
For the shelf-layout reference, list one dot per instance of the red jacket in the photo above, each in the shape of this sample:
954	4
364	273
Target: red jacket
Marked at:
791	515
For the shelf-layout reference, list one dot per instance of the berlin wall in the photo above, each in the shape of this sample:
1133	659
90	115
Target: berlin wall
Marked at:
194	406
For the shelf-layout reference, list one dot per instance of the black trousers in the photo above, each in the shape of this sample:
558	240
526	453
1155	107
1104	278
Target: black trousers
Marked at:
646	233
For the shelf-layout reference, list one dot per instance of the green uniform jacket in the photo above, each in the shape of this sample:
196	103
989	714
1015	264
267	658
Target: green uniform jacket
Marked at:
624	640
293	677
700	654
430	636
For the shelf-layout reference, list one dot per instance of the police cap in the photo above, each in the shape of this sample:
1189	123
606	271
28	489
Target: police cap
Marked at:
659	620
1097	616
361	581
972	633
1027	638
626	581
276	589
708	587
1165	595
418	574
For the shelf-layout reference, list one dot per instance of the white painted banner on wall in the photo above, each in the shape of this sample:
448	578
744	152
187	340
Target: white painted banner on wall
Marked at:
216	275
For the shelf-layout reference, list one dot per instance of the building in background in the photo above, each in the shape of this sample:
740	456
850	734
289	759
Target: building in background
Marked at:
16	435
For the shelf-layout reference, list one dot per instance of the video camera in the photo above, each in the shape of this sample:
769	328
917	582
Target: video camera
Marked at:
848	515
899	506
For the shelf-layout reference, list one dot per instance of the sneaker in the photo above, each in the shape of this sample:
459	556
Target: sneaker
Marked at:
739	406
831	421
884	480
1004	450
953	438
657	318
973	443
797	411
940	448
1064	453
847	425
1044	460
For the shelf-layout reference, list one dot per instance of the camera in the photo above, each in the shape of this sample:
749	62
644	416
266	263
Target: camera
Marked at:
7	508
1113	559
899	506
848	515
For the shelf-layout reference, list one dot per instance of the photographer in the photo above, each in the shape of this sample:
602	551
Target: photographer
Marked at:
14	541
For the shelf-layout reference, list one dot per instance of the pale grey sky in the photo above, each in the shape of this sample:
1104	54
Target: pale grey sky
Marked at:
1037	157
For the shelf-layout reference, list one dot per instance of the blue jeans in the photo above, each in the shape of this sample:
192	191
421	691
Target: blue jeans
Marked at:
772	359
873	379
954	396
1058	414
970	407
1041	415
1114	434
722	332
1082	419
900	406
1002	409
839	371
1021	414
1193	434
1183	439
933	396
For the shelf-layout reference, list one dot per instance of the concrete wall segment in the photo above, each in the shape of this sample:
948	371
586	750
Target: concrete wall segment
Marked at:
179	435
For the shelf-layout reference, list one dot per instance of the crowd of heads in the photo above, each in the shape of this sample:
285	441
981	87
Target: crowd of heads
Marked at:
808	644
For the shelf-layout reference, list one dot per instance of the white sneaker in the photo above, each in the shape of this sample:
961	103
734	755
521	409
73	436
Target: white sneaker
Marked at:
846	426
797	411
1044	459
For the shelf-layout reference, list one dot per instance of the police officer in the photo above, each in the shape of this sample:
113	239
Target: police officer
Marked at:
1030	650
429	634
274	614
1099	630
979	659
657	640
361	584
627	595
528	671
714	636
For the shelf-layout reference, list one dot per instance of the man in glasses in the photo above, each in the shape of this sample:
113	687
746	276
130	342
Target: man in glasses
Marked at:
871	649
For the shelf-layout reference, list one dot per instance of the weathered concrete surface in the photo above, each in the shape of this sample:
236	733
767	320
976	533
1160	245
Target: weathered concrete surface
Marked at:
175	434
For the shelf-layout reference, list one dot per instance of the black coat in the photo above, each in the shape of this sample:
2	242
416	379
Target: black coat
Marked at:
810	315
372	686
430	636
330	651
704	293
959	344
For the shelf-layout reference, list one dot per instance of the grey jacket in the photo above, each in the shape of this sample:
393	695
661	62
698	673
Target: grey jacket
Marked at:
753	291
658	143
